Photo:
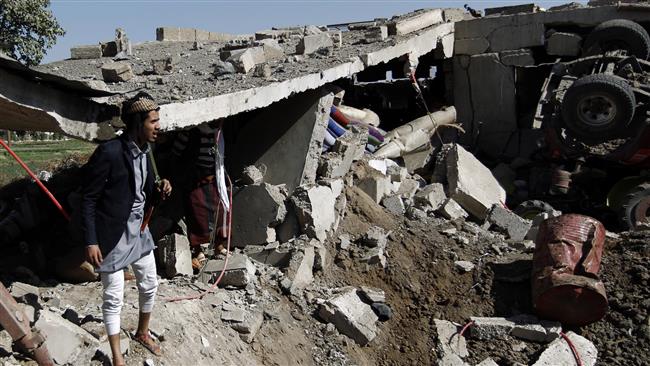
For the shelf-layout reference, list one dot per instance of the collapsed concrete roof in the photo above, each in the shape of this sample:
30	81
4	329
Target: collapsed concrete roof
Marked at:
69	96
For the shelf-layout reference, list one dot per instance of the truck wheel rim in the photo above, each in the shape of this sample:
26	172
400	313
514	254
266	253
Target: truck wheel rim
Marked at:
641	212
597	110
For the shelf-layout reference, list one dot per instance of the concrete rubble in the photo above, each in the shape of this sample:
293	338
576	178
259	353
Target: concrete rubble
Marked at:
514	226
174	255
559	352
351	316
239	272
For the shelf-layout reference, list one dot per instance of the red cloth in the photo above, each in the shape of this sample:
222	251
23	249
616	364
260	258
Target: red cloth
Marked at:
203	203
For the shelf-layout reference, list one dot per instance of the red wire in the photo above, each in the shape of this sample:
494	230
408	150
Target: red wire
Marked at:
225	264
38	181
462	331
573	349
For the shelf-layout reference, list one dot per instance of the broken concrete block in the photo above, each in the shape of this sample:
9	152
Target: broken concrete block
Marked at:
522	57
263	71
375	237
513	9
67	343
299	273
86	52
117	72
537	220
396	172
23	292
239	273
344	241
348	148
256	208
559	352
249	326
247	60
418	159
351	316
372	295
564	44
451	210
376	34
471	46
223	68
512	37
272	50
430	197
374	256
488	328
232	313
321	261
252	175
272	254
376	186
337	37
408	187
122	43
394	204
315	209
312	43
449	341
162	66
471	184
415	23
174	255
455	15
509	222
530	328
464	266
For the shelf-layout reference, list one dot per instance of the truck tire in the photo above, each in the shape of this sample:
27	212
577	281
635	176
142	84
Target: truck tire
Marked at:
635	208
618	34
597	106
529	209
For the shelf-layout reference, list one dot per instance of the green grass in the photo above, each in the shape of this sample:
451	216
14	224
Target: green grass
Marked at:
41	155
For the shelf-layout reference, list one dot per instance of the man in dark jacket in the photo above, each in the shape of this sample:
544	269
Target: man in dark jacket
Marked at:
119	185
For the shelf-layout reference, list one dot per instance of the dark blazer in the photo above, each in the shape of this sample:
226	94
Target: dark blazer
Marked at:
109	193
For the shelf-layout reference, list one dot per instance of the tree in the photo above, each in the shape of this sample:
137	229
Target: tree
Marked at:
27	29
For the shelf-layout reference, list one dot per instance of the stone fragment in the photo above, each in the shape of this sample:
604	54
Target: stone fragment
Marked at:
374	256
449	341
347	149
344	241
530	328
249	326
263	71
67	343
239	273
247	60
271	254
559	352
564	44
418	159
174	255
321	261
430	197
509	222
337	38
394	204
86	52
489	328
375	237
223	68
464	266
383	311
315	208
408	187
537	220
371	294
471	184
252	175
232	313
521	57
455	15
272	50
312	43
416	22
299	273
375	186
24	292
515	36
376	34
351	316
256	208
451	210
415	214
162	66
117	72
122	43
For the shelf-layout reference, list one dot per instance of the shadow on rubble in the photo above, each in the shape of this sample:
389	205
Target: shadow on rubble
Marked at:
511	288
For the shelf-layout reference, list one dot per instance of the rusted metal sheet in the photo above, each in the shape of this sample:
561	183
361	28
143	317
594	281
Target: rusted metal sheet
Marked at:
15	322
565	282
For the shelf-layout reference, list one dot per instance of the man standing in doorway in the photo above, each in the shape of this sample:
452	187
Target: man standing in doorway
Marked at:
119	187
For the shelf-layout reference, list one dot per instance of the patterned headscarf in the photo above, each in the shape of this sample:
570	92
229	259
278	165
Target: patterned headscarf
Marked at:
140	103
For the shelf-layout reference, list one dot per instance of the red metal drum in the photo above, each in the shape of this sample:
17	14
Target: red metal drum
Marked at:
565	282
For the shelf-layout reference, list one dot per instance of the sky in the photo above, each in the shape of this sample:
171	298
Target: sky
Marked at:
93	21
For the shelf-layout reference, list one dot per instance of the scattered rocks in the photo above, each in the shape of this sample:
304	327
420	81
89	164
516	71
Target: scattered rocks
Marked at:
351	316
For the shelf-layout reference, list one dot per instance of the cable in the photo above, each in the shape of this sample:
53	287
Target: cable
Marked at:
573	348
462	331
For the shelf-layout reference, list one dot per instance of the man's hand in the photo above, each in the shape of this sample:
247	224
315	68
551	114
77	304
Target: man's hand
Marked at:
94	255
165	188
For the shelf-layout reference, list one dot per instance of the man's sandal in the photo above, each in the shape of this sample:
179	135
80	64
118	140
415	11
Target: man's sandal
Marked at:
147	342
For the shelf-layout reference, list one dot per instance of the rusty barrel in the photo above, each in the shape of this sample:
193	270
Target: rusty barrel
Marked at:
565	282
